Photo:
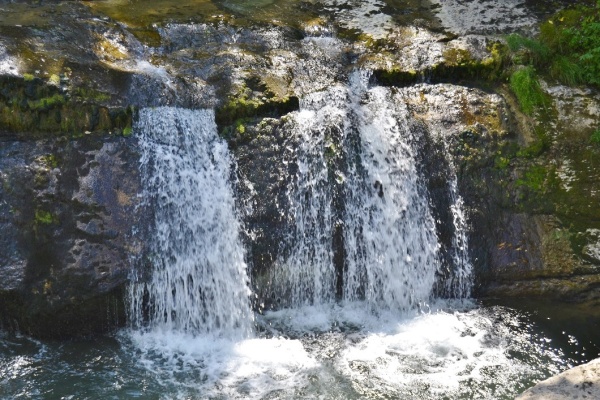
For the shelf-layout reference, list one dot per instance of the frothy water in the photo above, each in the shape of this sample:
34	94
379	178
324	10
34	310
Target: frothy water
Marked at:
198	282
346	352
339	351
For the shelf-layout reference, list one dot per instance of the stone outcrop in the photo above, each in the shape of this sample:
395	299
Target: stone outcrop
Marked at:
544	203
66	215
581	382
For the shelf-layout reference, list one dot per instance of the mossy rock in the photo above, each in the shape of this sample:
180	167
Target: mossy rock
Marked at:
33	109
458	65
252	100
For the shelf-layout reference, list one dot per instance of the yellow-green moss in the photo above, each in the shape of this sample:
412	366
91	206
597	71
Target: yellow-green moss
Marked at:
43	217
49	160
92	94
253	100
501	162
533	150
459	64
54	80
47	102
534	178
239	127
454	57
34	109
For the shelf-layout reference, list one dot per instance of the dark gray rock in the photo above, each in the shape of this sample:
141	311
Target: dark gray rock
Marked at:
67	213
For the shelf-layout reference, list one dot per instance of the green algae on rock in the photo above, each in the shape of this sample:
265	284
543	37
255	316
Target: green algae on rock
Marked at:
32	108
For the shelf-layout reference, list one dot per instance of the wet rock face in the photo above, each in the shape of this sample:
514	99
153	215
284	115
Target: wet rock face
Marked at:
555	191
262	184
532	218
466	128
66	212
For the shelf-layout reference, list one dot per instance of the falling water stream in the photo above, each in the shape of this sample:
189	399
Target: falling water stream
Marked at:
374	331
199	281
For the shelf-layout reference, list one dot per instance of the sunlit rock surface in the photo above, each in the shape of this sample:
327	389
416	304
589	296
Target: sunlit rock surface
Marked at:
581	382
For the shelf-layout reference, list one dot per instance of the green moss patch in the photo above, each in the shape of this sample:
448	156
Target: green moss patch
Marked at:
253	100
32	109
567	48
43	217
595	137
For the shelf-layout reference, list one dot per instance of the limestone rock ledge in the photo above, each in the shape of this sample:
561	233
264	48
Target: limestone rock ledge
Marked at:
581	382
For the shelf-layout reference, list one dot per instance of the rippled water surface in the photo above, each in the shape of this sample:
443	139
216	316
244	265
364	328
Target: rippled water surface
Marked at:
345	352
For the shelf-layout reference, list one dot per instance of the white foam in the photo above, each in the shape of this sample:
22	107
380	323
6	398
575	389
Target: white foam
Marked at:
349	351
215	367
9	65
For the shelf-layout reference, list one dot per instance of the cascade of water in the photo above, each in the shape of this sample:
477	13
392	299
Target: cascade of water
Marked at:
390	245
306	274
460	282
391	242
199	281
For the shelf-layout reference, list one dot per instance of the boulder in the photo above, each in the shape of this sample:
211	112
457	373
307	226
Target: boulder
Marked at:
581	382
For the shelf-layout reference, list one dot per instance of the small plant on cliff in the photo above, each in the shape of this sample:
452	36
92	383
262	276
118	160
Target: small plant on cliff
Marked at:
47	103
528	51
43	217
595	137
525	85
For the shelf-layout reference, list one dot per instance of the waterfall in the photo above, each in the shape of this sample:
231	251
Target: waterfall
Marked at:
198	283
460	284
360	139
390	238
460	280
359	208
306	274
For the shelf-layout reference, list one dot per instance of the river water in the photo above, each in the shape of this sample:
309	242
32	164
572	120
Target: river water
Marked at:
460	351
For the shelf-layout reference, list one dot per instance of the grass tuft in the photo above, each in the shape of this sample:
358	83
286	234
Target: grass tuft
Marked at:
525	85
566	71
